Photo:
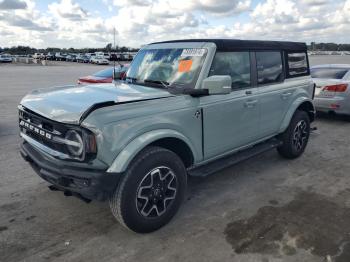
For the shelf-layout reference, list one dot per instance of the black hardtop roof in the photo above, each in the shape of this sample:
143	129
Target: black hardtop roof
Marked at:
226	45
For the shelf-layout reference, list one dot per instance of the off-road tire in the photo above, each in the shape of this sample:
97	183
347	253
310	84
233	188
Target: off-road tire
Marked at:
299	127
124	201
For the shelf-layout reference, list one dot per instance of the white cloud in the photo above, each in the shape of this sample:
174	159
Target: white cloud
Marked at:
210	6
12	4
223	7
315	2
67	23
68	10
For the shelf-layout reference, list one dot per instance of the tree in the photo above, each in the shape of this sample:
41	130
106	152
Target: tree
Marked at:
108	47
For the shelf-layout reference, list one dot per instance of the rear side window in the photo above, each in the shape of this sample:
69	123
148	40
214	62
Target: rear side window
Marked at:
269	67
234	64
297	64
328	73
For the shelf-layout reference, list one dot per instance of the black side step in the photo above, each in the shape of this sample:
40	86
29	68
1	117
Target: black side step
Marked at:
216	165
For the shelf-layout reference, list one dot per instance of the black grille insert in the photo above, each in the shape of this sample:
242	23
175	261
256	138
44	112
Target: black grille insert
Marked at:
34	122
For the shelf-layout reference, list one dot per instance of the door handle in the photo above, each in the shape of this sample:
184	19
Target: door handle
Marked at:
250	103
286	95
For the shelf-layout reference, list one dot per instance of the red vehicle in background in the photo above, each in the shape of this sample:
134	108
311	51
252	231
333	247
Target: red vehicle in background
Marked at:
103	76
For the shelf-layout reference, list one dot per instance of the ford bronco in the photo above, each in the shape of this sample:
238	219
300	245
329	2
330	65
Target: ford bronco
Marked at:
186	107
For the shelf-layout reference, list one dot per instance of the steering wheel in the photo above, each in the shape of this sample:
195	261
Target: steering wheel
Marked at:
161	73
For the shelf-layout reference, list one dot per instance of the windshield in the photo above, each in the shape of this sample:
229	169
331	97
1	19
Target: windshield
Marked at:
328	73
168	67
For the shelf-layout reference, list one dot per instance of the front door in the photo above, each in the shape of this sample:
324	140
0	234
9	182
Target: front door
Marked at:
230	121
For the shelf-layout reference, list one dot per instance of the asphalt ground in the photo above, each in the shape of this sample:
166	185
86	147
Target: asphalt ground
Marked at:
264	209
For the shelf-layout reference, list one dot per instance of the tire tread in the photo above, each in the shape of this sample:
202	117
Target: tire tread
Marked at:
115	200
285	149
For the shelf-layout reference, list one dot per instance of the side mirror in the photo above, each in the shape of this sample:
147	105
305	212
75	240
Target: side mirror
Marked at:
116	74
217	84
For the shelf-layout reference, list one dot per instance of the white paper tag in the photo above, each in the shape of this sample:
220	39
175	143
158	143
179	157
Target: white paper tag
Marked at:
193	52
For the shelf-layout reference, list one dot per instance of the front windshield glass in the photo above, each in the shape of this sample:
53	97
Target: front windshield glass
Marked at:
167	67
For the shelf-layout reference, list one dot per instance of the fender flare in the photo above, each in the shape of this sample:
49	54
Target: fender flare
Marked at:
294	106
124	158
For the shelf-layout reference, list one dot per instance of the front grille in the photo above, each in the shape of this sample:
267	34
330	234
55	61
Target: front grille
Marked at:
42	130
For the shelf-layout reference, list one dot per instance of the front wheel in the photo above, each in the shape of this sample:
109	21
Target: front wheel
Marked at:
296	136
151	190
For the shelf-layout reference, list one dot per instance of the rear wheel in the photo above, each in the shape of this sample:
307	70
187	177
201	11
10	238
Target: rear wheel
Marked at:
296	136
151	191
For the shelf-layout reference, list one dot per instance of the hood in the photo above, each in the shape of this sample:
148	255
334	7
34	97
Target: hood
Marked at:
68	104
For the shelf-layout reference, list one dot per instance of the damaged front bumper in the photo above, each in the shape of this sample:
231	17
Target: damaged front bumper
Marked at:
85	183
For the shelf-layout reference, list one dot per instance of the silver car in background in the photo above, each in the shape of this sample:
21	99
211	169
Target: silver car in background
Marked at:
5	58
332	93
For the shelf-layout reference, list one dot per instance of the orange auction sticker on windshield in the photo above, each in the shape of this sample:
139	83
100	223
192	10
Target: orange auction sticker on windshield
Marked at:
185	66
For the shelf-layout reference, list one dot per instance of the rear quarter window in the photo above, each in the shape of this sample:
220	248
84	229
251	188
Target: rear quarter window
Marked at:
297	64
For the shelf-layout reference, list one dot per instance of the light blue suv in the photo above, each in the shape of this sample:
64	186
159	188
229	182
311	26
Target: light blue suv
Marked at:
187	107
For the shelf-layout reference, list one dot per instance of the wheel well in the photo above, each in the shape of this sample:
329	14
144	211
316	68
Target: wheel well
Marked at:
179	147
308	108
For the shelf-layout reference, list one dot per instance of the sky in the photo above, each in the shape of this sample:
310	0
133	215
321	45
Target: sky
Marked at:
90	23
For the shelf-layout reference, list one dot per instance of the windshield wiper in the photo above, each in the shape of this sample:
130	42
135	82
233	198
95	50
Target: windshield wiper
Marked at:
134	79
159	82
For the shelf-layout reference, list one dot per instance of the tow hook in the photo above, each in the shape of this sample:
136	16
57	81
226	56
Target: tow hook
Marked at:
53	188
70	193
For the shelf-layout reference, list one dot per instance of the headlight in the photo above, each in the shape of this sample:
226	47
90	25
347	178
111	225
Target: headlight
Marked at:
74	143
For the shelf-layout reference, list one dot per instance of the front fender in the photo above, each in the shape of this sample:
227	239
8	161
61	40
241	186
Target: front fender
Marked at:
124	158
295	105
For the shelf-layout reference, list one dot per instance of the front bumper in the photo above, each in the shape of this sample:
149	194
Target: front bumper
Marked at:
86	183
334	104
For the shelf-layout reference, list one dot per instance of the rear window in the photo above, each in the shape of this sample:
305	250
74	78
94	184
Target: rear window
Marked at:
105	73
297	64
328	73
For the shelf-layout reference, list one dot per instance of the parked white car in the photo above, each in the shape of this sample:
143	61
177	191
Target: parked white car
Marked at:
38	56
332	93
99	60
5	58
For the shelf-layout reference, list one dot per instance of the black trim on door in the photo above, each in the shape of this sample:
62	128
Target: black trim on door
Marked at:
202	133
253	70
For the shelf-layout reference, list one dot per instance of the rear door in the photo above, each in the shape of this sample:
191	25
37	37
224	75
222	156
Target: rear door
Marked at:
275	95
231	121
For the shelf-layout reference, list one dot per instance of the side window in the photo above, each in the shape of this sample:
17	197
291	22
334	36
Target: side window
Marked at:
297	64
234	64
269	67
